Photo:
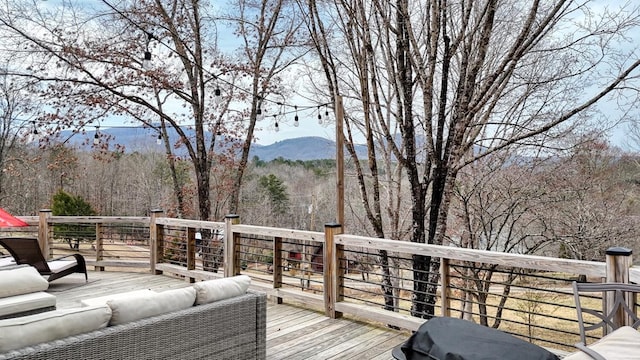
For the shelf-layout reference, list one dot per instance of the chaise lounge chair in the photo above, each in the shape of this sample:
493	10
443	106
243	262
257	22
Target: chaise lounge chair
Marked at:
27	251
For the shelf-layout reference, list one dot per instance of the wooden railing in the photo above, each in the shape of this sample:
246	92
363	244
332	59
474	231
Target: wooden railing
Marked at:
342	274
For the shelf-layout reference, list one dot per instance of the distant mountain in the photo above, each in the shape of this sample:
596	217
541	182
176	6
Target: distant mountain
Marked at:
139	139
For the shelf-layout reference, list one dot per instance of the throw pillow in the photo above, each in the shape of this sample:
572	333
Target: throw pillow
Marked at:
140	306
16	333
21	280
219	289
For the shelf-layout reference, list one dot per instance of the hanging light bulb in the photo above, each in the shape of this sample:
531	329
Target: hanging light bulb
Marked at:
295	119
259	113
319	116
277	127
146	61
159	140
218	96
35	131
275	120
96	139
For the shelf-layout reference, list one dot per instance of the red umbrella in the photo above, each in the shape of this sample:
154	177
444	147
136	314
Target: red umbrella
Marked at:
8	220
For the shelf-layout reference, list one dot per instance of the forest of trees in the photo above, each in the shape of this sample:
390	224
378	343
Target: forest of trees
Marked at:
481	118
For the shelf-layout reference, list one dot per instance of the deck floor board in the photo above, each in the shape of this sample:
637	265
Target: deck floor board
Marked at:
293	332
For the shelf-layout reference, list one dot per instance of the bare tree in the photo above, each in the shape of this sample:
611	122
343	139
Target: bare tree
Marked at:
156	63
17	121
468	79
591	205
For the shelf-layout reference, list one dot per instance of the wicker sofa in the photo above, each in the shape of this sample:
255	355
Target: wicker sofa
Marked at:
233	328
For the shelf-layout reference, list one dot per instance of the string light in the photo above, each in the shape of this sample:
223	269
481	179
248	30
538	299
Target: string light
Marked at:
260	115
35	130
277	128
159	140
295	119
96	137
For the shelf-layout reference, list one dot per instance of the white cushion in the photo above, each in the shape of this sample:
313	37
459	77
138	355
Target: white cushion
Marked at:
59	265
22	280
102	300
621	344
30	330
132	308
7	260
26	302
220	289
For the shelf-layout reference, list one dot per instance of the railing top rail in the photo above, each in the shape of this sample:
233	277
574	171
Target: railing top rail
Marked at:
190	223
98	219
279	232
634	274
589	268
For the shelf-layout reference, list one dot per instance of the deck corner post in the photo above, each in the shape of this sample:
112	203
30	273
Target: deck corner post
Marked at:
231	241
99	247
619	260
155	241
445	291
277	266
332	253
191	250
43	232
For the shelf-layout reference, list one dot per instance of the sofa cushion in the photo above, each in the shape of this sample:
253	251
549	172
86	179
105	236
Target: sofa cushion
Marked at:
21	280
26	302
621	344
220	289
102	300
30	330
140	306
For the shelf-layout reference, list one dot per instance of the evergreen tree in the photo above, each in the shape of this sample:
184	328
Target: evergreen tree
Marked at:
65	204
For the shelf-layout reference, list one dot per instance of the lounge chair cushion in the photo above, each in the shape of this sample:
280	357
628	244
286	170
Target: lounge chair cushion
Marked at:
21	280
140	306
30	330
621	344
26	302
219	289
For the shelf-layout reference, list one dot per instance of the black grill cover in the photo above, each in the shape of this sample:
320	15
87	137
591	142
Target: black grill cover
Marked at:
445	338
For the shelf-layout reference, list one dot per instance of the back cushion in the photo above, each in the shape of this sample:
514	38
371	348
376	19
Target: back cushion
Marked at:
143	305
220	289
21	280
30	330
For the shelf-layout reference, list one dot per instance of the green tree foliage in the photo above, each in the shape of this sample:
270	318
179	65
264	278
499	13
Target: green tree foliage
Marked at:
65	204
276	192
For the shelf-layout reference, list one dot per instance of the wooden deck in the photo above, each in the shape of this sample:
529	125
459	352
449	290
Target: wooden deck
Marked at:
292	331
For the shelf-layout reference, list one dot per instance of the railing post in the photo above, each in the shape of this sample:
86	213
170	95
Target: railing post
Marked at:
332	271
99	247
43	232
231	242
155	242
445	291
618	263
277	266
191	251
